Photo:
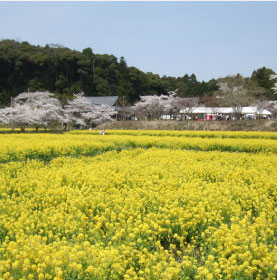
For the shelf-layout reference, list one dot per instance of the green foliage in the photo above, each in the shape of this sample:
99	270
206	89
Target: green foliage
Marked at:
64	71
262	77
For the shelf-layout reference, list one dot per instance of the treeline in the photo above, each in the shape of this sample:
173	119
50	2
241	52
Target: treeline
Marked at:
58	69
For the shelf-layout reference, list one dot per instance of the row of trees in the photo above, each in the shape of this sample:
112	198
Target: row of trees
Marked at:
232	93
58	69
42	109
153	106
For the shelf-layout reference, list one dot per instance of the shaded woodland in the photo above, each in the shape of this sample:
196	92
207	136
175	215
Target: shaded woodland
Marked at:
55	68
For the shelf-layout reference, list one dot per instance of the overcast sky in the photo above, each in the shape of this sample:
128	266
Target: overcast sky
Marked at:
209	39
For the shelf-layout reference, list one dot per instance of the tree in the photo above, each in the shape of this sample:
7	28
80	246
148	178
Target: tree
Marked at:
75	108
139	84
19	116
32	108
272	107
262	77
211	101
155	84
48	110
53	51
61	70
234	96
253	87
86	69
153	106
99	114
41	109
81	112
260	104
68	61
183	105
147	106
274	87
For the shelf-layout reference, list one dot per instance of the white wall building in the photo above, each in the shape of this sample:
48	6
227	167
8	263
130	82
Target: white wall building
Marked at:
209	113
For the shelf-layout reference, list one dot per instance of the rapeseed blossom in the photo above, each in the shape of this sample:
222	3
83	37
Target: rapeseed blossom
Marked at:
142	207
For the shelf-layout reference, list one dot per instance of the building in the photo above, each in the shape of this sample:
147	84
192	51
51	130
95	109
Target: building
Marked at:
212	113
123	112
104	100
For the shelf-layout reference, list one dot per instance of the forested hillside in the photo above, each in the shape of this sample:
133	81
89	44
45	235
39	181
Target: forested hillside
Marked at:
64	71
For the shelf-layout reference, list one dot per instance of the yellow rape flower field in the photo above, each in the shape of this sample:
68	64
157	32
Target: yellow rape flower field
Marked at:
138	205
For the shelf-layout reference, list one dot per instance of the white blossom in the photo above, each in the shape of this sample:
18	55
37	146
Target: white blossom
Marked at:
99	114
32	108
274	77
19	116
153	105
81	112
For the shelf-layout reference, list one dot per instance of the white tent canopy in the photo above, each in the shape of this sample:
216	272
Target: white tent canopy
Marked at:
250	110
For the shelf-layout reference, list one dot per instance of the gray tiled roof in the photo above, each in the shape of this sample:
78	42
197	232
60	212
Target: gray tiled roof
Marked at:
106	100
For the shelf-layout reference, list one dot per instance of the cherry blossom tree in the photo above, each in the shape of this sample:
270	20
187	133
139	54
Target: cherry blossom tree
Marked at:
184	104
75	108
99	114
32	109
236	97
41	109
154	106
46	108
211	101
80	112
19	116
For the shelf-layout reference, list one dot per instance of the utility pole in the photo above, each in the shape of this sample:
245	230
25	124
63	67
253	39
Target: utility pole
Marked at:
123	108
